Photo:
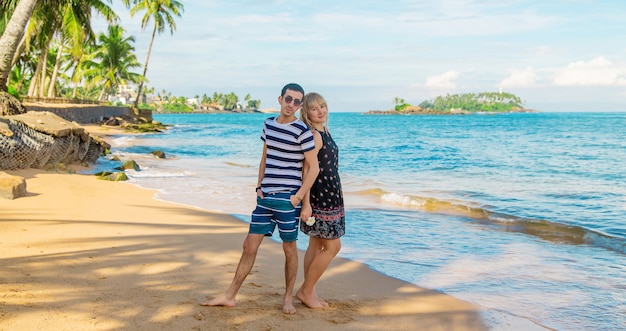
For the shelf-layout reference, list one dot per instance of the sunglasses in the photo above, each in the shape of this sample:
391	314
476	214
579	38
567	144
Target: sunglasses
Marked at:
296	102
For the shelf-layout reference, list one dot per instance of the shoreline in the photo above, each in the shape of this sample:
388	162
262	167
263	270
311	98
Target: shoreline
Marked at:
84	253
115	258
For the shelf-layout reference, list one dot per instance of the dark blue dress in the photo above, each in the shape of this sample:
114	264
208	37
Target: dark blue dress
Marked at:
326	196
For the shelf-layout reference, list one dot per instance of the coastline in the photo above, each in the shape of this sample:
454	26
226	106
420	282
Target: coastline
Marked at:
420	111
82	253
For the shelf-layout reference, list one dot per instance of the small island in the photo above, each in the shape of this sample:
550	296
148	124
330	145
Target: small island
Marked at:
460	104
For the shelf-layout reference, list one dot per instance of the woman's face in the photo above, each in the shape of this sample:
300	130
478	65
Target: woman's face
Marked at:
318	113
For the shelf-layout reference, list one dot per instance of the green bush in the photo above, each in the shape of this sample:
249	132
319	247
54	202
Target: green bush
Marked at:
402	106
12	91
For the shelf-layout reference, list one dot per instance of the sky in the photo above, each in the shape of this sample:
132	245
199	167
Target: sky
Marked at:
556	55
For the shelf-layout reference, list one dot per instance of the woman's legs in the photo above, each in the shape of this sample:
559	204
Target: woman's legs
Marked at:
318	256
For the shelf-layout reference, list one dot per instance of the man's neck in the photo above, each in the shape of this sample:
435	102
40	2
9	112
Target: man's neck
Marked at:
285	119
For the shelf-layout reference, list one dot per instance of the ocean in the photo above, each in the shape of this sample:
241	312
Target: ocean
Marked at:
522	214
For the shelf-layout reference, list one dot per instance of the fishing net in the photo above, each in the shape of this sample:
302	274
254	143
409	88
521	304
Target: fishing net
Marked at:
21	146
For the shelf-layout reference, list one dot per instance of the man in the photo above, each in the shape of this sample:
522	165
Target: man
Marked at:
288	147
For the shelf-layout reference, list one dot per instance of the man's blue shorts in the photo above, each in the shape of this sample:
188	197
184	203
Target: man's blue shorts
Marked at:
276	209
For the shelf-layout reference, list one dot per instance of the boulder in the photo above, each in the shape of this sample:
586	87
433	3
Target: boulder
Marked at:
112	176
12	187
158	153
131	164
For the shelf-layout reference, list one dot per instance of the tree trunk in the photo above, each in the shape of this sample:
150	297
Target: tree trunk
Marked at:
35	81
11	38
55	71
44	71
20	49
145	69
76	75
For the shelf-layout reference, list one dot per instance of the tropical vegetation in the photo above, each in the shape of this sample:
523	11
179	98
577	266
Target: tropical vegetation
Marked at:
161	12
468	102
43	42
48	49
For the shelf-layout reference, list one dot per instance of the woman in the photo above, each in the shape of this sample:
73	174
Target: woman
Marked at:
322	217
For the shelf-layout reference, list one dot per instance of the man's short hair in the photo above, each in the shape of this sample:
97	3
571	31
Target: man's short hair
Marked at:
293	87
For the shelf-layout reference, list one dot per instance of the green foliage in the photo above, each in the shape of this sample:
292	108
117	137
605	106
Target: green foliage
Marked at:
147	106
254	104
12	91
472	102
177	106
225	101
402	106
112	61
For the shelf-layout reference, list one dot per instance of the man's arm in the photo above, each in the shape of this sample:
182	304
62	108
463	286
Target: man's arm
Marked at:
261	170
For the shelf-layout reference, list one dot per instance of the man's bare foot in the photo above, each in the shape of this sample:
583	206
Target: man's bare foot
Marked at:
310	300
288	307
221	301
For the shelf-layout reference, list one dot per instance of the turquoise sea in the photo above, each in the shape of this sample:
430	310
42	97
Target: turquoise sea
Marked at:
521	214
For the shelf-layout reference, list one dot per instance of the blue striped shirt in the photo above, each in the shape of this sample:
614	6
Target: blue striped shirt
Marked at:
286	144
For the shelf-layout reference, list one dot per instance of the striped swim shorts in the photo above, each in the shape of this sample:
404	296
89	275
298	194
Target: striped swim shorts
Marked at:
275	209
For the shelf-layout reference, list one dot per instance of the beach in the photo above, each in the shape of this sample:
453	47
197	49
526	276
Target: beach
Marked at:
80	253
434	240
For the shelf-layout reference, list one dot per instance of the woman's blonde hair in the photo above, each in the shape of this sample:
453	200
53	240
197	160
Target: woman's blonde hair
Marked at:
307	102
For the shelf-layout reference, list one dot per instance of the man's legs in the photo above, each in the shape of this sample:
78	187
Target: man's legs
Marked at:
287	222
291	271
246	262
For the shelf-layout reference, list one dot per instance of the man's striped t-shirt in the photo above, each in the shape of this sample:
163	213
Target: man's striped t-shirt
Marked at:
286	144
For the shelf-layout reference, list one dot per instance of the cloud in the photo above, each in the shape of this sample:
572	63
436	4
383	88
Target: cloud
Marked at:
597	72
520	78
445	80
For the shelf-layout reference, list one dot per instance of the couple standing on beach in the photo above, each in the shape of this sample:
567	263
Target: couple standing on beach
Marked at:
298	177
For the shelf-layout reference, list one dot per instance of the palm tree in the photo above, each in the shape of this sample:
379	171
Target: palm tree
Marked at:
161	11
67	24
230	101
113	59
22	71
254	104
11	38
77	68
75	30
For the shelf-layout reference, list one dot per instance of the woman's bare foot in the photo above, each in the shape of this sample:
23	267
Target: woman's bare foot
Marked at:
221	301
310	300
323	302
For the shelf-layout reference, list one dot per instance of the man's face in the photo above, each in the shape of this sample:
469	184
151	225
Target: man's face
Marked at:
290	103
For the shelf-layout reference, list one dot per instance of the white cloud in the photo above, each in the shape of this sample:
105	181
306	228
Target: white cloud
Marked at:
520	78
597	72
445	80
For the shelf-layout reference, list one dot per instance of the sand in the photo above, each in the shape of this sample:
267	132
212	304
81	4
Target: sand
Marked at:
78	253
